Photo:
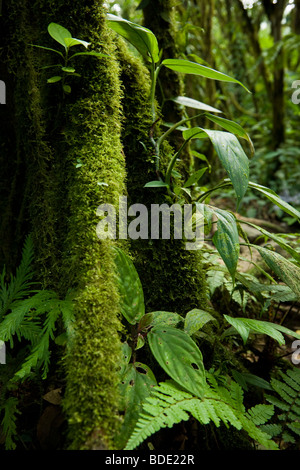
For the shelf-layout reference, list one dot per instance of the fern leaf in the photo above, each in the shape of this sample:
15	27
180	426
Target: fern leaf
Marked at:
164	409
260	414
257	434
288	390
21	284
272	429
168	404
9	422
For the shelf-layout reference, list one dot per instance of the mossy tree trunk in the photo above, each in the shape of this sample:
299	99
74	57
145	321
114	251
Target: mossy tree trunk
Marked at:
172	277
47	132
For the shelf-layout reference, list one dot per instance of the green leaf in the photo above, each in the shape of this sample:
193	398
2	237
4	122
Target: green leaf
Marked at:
195	319
186	66
287	271
67	89
191	103
156	184
68	69
226	240
48	49
165	318
70	42
54	79
272	196
195	177
130	287
232	127
277	239
179	356
245	325
59	33
231	155
136	384
141	38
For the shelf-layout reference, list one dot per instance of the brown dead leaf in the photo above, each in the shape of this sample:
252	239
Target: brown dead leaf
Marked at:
53	397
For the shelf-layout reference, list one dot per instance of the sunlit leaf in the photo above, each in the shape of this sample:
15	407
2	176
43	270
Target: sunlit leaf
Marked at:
191	103
59	34
141	38
186	66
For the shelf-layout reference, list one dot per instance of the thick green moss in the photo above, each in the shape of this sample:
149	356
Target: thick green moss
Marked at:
53	132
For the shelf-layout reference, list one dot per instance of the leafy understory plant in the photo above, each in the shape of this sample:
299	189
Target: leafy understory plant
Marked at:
169	404
147	406
228	148
67	70
31	317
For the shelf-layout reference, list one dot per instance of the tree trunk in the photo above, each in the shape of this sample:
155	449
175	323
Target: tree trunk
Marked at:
48	132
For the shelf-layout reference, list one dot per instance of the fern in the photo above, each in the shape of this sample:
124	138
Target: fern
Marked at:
21	284
288	404
30	315
9	421
168	404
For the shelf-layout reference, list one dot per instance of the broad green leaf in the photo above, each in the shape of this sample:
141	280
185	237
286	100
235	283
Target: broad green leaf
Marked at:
195	177
242	378
179	356
191	103
195	319
287	271
70	42
226	240
55	79
231	155
245	325
232	127
130	287
156	184
141	38
165	318
59	33
135	386
272	196
186	66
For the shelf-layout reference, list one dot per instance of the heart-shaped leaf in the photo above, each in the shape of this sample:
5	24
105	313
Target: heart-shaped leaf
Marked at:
179	356
59	34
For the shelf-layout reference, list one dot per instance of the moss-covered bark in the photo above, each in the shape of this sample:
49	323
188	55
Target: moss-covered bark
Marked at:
51	132
172	277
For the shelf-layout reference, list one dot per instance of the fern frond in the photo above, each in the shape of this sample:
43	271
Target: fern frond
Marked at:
11	324
41	352
168	404
9	421
260	414
288	390
21	284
